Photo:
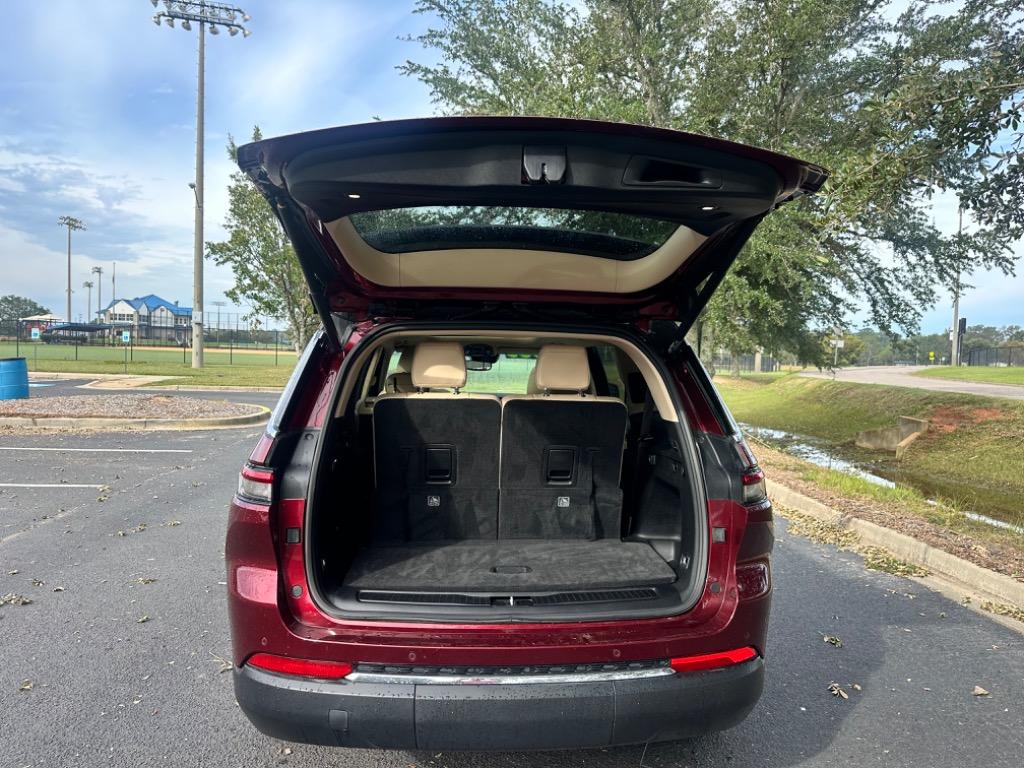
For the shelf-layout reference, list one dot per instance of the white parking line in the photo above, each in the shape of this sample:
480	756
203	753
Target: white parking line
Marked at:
49	485
97	450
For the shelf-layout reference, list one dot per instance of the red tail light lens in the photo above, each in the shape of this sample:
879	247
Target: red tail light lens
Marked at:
753	580
285	665
754	488
712	660
261	452
256	484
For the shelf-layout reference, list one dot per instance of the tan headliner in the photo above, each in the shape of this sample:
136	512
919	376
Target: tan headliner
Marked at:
655	384
511	268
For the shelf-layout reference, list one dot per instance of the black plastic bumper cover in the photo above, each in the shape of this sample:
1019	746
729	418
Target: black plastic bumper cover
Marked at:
499	717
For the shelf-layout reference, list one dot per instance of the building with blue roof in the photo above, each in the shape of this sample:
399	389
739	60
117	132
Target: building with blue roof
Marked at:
150	317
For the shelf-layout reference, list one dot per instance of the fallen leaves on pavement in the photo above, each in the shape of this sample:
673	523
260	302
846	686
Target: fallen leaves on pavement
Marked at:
225	665
979	691
836	690
832	640
12	599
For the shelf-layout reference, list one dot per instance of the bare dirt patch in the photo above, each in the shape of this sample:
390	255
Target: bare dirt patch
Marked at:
947	419
125	406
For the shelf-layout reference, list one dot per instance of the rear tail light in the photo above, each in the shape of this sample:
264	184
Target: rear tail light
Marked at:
754	489
261	452
712	660
753	579
256	484
285	665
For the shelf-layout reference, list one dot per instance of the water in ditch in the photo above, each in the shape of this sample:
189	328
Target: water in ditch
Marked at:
1000	510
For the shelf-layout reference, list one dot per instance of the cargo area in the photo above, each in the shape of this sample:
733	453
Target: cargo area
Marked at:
565	495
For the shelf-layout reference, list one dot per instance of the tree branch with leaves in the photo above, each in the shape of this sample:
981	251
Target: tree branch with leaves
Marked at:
267	275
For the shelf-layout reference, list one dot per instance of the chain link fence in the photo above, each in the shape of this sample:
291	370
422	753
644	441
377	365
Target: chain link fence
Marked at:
748	362
1003	357
225	332
49	345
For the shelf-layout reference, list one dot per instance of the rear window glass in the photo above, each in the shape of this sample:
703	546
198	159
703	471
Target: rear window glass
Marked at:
508	376
591	233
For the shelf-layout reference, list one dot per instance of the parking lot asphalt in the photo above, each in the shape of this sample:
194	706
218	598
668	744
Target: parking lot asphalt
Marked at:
124	671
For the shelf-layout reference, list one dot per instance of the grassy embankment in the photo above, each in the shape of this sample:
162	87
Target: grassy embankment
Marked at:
986	374
970	458
223	368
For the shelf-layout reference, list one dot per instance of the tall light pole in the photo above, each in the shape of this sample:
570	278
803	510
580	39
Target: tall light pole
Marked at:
216	15
219	305
98	271
88	301
72	224
954	330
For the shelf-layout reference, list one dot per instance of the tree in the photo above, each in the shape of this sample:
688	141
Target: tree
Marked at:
266	271
899	106
14	308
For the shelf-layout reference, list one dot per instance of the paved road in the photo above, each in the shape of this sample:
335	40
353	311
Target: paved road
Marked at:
901	376
110	691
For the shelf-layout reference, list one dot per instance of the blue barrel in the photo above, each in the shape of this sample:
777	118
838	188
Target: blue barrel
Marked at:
13	378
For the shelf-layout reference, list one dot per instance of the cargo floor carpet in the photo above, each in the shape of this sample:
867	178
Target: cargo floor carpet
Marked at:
509	565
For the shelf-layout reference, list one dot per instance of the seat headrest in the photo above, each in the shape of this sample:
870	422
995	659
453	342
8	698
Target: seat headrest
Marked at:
439	364
562	369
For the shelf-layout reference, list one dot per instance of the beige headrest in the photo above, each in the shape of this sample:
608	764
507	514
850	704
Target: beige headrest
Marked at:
562	369
531	382
438	364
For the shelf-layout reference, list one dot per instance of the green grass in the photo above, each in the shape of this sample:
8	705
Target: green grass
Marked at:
987	374
223	368
508	376
971	455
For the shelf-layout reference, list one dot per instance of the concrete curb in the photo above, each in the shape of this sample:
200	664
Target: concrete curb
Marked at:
906	548
115	425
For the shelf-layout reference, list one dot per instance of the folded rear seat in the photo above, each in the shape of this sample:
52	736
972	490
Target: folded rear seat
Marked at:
436	453
561	454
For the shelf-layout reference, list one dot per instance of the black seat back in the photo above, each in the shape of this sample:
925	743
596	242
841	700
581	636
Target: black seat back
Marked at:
436	454
561	454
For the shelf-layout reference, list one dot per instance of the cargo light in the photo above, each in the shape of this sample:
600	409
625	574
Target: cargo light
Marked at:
712	660
285	665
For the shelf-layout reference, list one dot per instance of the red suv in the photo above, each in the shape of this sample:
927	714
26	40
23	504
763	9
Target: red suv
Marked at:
500	505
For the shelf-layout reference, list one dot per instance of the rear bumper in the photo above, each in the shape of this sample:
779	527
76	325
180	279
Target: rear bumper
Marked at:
561	715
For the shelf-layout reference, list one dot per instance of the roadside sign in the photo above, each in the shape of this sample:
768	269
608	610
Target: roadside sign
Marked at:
35	334
931	357
126	337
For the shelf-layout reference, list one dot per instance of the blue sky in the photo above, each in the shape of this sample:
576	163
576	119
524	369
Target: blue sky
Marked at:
97	110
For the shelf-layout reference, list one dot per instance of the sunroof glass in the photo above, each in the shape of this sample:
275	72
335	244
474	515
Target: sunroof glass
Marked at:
593	233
